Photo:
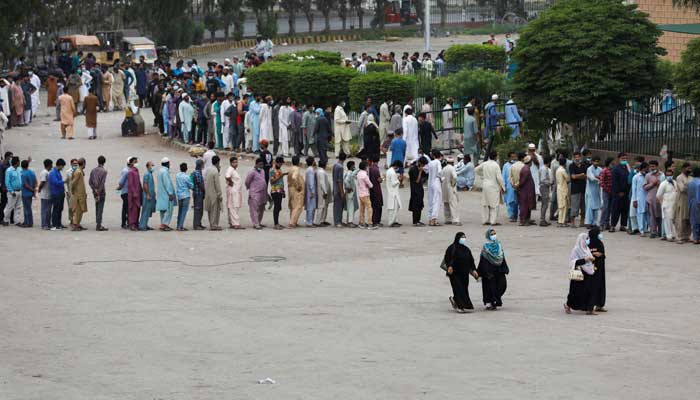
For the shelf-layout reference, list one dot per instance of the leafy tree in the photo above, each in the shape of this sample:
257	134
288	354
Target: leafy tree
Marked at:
687	74
442	5
292	6
263	12
325	6
691	4
570	68
379	17
308	10
231	12
357	6
480	83
343	12
212	23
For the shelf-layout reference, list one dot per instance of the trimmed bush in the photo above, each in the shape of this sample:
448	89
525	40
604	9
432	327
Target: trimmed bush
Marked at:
308	83
476	55
325	57
381	86
481	83
380	67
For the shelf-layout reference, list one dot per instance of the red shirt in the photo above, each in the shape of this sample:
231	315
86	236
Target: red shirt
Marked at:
606	180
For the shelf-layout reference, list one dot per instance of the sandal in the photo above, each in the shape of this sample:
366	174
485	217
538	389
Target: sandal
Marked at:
452	301
567	309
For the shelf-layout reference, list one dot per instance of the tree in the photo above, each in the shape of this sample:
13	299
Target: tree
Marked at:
212	22
687	74
343	12
380	6
570	69
231	12
263	12
691	4
325	7
308	10
292	6
442	5
357	6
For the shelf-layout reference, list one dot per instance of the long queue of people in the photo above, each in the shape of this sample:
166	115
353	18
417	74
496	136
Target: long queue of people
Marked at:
349	188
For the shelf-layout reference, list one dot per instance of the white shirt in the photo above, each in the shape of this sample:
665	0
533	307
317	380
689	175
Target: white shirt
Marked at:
44	194
208	155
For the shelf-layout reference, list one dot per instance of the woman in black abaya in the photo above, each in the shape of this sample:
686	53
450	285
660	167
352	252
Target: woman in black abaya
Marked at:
580	295
460	264
598	251
492	270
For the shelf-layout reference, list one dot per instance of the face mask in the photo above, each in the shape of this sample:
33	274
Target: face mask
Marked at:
136	165
463	241
73	167
577	161
150	169
588	242
493	237
600	237
623	163
669	179
512	161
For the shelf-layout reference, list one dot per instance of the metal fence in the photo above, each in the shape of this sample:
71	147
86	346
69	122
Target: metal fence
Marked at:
644	127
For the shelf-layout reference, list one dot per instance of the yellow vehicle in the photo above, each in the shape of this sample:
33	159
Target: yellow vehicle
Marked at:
127	46
72	44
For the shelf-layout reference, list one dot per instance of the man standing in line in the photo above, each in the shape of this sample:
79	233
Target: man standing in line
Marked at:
295	184
447	124
526	193
509	199
470	144
78	195
310	191
69	192
342	130
308	122
375	192
322	134
134	197
364	185
107	80
577	172
45	195
682	213
198	193
295	123
324	189
234	194
434	187
165	200
257	193
28	193
13	185
450	200
384	119
58	195
350	192
651	186
148	197
98	178
563	199
545	189
493	185
593	195
338	191
410	133
392	189
183	185
91	107
620	192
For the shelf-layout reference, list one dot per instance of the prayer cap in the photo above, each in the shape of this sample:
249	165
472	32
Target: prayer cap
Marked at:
164	160
531	146
494	97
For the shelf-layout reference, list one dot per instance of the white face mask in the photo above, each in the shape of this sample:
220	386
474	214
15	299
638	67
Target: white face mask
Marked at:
136	165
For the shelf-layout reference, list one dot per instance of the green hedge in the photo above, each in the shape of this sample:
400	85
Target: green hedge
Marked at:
326	57
476	55
380	67
308	83
381	86
480	83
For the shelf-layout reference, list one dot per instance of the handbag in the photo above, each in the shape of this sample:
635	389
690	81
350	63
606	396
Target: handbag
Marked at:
443	265
575	274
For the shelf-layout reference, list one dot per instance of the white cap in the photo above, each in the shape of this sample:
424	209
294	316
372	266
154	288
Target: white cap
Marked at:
531	146
494	97
164	160
227	60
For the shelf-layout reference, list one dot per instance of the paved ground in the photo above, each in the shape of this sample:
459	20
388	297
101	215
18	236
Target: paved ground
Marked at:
344	314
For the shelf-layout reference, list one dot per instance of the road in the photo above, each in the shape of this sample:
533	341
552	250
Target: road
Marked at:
326	313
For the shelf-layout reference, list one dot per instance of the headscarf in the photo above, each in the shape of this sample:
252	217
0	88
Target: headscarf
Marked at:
319	111
492	249
370	121
580	251
595	241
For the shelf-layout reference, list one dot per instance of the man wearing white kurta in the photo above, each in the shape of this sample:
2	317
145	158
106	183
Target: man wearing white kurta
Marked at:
384	120
537	163
434	187
492	187
449	193
284	114
667	196
36	82
341	128
266	122
410	135
392	193
226	121
447	124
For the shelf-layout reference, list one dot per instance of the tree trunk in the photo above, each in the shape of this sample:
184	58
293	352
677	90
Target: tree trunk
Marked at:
310	20
443	14
327	17
292	22
227	27
360	14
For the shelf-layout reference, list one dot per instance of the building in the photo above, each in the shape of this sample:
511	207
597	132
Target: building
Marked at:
679	25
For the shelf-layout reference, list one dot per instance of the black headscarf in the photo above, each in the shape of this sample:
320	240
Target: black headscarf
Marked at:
595	242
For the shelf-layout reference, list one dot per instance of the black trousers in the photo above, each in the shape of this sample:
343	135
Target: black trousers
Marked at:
277	200
202	128
198	210
416	216
376	212
3	203
321	149
620	210
57	203
125	210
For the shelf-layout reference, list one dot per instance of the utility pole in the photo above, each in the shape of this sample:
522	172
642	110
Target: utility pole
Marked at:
426	25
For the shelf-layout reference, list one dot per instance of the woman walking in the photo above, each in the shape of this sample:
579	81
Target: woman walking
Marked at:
581	292
598	251
460	263
492	270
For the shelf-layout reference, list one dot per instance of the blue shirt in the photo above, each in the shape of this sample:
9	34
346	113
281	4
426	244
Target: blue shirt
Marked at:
398	150
13	180
183	185
56	187
28	178
122	180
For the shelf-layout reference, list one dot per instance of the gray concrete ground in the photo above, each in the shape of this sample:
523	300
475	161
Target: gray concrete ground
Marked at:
327	313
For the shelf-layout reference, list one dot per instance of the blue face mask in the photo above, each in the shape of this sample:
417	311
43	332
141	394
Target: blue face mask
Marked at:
600	237
623	163
493	237
463	241
588	242
669	179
